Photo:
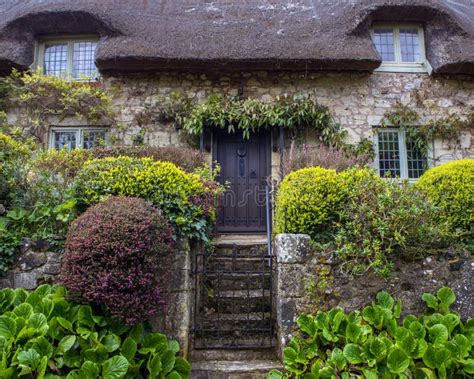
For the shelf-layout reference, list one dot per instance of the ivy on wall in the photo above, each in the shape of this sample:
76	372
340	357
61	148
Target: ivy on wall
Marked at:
448	128
40	97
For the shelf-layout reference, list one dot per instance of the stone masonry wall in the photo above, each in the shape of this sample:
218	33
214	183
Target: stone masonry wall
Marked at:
357	100
34	267
308	281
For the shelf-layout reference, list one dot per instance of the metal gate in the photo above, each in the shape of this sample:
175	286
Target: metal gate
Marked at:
233	305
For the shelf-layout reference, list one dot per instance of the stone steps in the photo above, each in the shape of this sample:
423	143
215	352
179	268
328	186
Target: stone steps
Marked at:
235	337
248	369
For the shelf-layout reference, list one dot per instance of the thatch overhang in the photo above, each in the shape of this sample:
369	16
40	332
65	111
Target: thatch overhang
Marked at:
312	35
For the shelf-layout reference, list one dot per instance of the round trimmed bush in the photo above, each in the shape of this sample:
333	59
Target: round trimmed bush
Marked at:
451	187
113	255
168	187
308	201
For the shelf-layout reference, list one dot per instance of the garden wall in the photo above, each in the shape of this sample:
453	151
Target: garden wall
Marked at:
308	281
34	267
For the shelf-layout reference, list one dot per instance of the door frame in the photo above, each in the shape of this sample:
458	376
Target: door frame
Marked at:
268	166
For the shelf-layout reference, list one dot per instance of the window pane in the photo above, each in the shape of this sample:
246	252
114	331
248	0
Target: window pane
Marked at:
65	139
410	45
416	160
389	153
383	40
55	60
83	61
93	138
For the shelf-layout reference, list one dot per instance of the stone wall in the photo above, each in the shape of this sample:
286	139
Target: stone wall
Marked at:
307	281
357	100
34	267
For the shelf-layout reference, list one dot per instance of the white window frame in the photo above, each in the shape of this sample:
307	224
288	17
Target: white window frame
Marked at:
398	65
79	130
61	40
402	138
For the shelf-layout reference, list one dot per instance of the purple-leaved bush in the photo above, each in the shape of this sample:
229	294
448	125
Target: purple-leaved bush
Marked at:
114	254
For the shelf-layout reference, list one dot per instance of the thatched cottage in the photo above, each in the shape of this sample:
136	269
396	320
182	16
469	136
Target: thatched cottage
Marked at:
373	65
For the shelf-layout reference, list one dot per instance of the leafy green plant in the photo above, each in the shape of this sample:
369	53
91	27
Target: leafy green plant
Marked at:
43	335
41	96
381	219
377	343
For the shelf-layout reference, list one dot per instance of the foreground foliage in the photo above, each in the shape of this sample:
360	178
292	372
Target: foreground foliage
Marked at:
43	335
114	254
377	343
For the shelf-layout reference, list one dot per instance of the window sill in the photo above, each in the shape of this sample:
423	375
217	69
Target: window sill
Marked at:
396	67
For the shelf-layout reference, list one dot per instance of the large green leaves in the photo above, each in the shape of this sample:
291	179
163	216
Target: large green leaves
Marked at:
115	367
43	335
376	343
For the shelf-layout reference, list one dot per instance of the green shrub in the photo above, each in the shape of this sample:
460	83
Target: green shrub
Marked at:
308	201
381	219
43	335
170	189
13	158
377	343
451	187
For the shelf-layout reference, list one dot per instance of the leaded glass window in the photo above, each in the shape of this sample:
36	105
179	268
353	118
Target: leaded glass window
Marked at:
401	48
71	138
73	59
398	156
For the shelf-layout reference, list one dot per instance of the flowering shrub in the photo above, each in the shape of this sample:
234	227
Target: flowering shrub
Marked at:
186	158
451	187
340	159
113	255
179	195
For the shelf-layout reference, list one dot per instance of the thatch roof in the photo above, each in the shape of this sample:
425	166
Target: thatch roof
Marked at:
237	34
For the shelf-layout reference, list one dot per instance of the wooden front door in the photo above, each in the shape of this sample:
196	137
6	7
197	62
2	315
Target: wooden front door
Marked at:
245	166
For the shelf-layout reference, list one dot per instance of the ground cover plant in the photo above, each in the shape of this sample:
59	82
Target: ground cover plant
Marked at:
376	342
44	335
114	255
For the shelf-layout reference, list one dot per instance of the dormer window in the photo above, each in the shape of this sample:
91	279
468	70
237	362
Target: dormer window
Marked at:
68	58
401	47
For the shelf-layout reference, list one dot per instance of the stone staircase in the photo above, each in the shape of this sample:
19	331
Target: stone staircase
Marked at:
234	335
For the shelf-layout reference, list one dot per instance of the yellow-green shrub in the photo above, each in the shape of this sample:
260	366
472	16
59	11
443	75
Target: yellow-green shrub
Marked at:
308	201
168	187
451	187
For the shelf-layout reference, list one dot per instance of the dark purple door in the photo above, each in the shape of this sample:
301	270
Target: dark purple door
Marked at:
245	166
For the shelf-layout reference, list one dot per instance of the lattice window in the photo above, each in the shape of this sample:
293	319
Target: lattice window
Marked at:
74	59
398	156
55	59
389	154
416	161
401	48
71	138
